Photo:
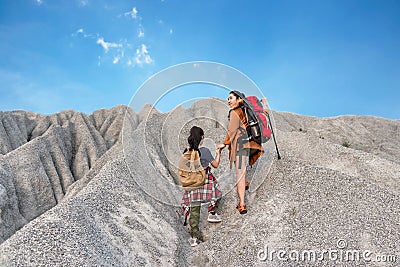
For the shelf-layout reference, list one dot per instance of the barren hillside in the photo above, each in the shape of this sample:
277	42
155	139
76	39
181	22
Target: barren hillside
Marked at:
99	190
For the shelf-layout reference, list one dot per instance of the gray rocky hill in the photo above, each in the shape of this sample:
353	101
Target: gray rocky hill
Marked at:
99	189
42	156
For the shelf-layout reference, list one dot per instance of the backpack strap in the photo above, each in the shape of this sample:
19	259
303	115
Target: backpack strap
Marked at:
185	222
240	152
186	212
229	114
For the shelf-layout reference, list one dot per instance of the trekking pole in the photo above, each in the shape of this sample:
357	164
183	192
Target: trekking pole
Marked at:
264	101
273	135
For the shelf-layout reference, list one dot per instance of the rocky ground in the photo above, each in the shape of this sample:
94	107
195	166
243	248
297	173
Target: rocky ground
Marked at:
98	189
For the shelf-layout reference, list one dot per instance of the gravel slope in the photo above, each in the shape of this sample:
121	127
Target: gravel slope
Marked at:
321	192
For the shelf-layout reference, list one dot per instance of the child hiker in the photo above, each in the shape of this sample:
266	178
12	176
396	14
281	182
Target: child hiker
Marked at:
210	192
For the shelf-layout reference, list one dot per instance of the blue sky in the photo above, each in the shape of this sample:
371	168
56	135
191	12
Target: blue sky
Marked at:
312	57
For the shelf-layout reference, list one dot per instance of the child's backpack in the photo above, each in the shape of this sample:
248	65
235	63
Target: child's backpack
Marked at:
258	129
191	173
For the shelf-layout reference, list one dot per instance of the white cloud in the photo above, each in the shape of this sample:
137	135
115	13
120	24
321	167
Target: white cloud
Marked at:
133	13
123	51
83	2
171	31
81	32
141	33
142	56
106	45
39	2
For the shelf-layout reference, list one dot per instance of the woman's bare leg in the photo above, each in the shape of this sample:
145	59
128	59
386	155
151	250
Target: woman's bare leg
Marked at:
241	178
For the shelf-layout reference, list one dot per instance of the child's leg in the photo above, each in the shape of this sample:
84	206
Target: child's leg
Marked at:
212	206
194	220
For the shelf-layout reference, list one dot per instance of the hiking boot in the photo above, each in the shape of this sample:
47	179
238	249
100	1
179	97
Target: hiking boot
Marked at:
193	241
214	218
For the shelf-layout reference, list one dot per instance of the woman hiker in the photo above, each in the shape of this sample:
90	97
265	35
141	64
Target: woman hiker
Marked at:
210	192
239	150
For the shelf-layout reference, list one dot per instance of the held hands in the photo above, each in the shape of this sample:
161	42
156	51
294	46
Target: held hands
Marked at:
219	148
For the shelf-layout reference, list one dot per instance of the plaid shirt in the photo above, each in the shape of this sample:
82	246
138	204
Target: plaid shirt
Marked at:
209	192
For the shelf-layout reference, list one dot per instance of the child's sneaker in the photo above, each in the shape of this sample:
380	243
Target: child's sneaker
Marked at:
193	241
214	218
